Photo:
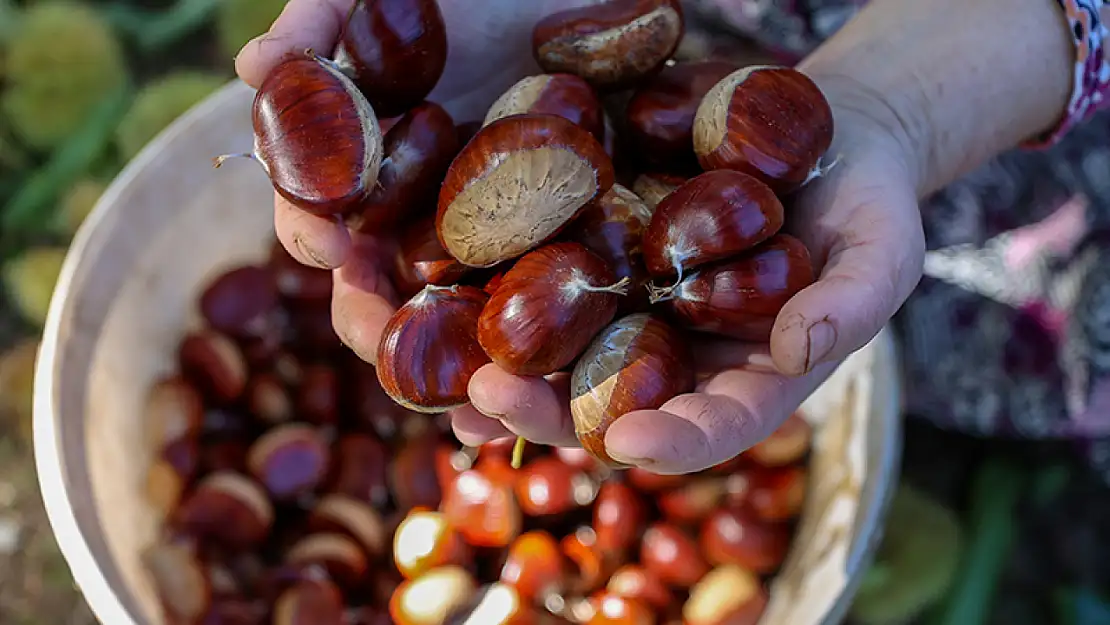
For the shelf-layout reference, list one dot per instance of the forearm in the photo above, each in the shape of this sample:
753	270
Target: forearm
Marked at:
959	80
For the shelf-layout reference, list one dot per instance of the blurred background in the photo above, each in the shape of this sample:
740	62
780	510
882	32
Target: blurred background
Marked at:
980	532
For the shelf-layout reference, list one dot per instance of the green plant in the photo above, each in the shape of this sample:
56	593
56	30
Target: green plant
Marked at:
17	377
78	202
30	278
62	62
159	103
239	21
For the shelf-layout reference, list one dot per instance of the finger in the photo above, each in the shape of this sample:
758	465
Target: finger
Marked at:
473	428
734	410
532	407
363	300
715	354
313	240
302	25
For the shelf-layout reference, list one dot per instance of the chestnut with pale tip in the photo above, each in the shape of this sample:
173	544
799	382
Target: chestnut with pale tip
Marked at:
652	188
433	597
727	595
425	540
315	135
772	494
771	122
290	460
731	536
636	363
229	509
394	51
213	362
713	216
179	578
741	297
516	185
310	601
692	502
787	445
547	308
174	411
341	557
335	513
548	487
534	566
672	555
607	608
565	95
429	348
611	44
498	604
633	581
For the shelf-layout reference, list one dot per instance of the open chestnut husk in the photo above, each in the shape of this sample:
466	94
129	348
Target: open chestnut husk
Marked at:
316	136
429	349
742	296
771	122
636	363
547	308
516	185
565	95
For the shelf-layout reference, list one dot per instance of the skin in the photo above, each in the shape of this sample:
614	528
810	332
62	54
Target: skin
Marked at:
921	94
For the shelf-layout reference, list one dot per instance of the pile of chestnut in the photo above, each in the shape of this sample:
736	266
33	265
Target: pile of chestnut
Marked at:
600	216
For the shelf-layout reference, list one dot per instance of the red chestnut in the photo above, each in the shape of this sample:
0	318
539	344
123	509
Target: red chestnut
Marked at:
174	411
395	51
771	122
713	216
268	400
619	516
425	540
565	95
693	501
227	508
310	602
342	558
290	460
296	281
418	151
742	296
672	555
772	494
433	597
413	474
316	136
786	445
636	363
318	396
179	579
518	182
633	581
546	487
611	44
346	515
429	348
647	482
361	469
652	188
592	565
727	595
421	260
215	364
738	537
483	510
497	604
608	608
660	115
547	308
534	566
241	302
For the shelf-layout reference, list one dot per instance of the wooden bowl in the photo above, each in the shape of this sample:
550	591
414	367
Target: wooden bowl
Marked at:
127	293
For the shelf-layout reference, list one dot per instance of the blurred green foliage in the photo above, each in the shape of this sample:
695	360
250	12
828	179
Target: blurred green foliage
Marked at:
159	103
239	21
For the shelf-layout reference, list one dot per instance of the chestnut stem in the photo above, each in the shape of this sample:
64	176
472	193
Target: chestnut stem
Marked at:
620	287
219	160
658	294
821	170
518	452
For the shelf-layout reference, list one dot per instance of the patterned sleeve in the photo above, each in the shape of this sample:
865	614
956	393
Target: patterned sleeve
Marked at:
1091	82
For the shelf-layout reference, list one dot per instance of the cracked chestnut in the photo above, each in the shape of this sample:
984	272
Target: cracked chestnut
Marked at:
516	185
565	95
547	308
429	348
636	363
770	122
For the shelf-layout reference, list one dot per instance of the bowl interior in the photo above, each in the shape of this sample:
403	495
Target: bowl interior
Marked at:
126	295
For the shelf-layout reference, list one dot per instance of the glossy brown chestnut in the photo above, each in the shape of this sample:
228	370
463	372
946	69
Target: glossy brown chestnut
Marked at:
413	474
180	580
340	556
612	44
360	470
692	502
712	216
727	595
296	281
660	115
592	566
356	519
785	446
607	608
215	364
613	228
425	540
672	555
421	260
619	516
268	400
647	482
170	474
652	188
395	51
318	396
482	509
565	95
772	494
174	411
310	602
316	136
433	597
227	508
534	566
290	460
636	363
518	182
241	302
742	296
732	536
547	308
498	604
633	581
577	458
429	349
418	151
547	487
771	122
227	453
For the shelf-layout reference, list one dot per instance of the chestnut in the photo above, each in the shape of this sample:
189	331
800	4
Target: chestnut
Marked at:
592	565
421	260
360	469
336	513
296	281
165	481
607	608
518	182
772	494
742	296
612	44
425	540
633	581
433	597
215	364
727	595
482	509
771	122
316	136
547	308
429	348
310	602
180	580
660	115
672	555
565	95
638	362
711	217
613	228
788	444
418	151
225	453
342	558
692	502
577	458
242	302
318	395
618	516
413	474
497	604
731	536
395	51
229	509
290	460
647	482
547	487
268	400
652	188
534	566
174	411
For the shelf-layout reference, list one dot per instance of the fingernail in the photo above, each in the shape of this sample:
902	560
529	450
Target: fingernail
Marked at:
493	414
312	254
821	337
630	460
